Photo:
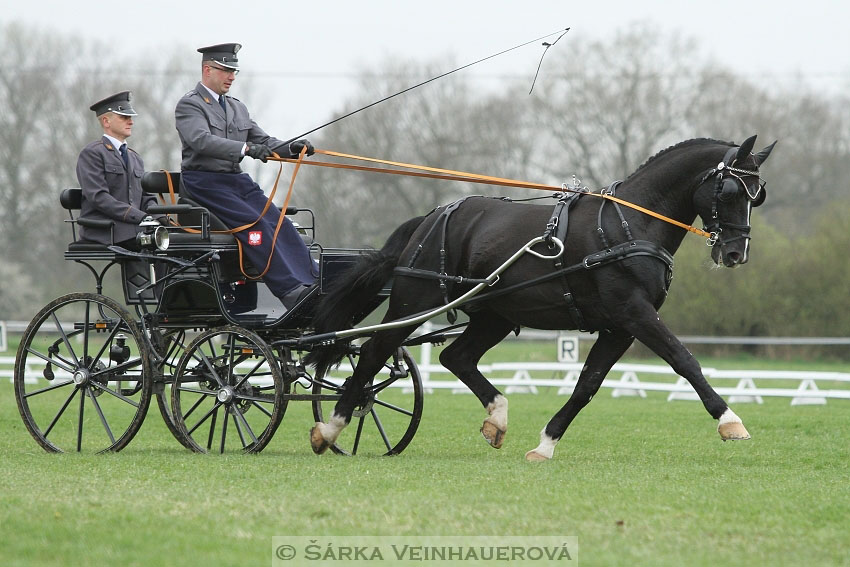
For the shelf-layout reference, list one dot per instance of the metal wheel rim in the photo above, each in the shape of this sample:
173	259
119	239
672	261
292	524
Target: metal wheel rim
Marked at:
87	399
373	414
210	401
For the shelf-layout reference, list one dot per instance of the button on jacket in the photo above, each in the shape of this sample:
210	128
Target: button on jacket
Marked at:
213	141
111	190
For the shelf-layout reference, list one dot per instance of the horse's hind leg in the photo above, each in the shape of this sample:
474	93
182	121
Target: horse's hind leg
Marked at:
485	330
607	350
373	354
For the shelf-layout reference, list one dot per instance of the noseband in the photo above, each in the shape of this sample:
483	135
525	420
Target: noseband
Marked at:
727	184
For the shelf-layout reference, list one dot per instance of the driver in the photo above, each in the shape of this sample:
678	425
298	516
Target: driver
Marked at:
217	132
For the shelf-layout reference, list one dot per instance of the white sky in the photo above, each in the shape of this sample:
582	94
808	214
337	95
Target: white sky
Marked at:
311	50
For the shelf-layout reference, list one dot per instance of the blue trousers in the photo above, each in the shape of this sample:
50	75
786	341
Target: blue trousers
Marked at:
237	200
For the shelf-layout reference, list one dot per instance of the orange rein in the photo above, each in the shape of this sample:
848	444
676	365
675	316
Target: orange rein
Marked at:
452	175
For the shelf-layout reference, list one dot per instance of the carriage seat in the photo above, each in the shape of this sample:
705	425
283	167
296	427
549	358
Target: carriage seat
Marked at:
157	182
71	200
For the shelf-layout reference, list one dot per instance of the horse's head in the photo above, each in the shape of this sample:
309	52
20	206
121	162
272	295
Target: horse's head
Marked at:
725	199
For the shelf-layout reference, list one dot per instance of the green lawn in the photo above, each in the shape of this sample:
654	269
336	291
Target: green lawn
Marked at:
637	481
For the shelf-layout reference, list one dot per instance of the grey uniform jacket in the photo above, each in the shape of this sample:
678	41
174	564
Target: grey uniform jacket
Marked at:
111	191
212	141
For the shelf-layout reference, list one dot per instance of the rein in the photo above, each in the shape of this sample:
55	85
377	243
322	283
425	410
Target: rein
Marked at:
453	175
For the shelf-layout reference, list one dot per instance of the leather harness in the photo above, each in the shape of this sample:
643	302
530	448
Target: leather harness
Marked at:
556	227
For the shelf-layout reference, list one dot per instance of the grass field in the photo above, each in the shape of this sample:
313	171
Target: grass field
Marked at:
637	481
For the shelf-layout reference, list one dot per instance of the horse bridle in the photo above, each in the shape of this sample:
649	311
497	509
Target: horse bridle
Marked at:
727	183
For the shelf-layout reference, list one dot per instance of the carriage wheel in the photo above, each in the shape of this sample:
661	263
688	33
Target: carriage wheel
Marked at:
386	418
228	392
170	345
83	378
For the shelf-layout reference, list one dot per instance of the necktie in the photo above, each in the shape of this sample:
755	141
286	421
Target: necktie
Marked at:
222	103
123	150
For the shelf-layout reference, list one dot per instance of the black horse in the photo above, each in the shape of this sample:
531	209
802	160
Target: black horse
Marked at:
619	298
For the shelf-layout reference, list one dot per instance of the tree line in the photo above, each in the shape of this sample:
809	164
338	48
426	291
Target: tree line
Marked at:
598	111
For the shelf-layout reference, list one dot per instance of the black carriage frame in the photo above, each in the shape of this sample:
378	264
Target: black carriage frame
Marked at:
244	361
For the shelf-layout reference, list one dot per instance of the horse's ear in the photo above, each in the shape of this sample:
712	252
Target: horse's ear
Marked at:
762	155
745	149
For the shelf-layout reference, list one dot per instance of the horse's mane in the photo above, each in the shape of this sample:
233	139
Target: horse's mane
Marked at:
686	143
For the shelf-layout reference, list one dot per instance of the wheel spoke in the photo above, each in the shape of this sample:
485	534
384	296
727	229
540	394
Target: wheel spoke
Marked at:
249	374
210	365
66	366
206	416
118	367
80	422
380	429
224	430
261	408
381	385
61	411
231	366
102	387
197	391
394	408
100	414
358	434
212	430
65	337
239	414
52	387
239	430
86	331
265	400
195	405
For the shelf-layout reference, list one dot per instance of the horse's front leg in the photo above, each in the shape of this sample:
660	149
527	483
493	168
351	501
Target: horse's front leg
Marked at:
646	325
607	350
373	354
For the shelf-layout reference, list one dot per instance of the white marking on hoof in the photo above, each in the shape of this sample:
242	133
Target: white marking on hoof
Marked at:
323	435
495	427
730	427
544	451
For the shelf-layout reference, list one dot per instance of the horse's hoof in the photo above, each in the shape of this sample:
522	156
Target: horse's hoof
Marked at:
733	431
535	457
493	434
317	441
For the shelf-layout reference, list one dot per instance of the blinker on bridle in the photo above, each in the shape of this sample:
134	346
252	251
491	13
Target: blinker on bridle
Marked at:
726	189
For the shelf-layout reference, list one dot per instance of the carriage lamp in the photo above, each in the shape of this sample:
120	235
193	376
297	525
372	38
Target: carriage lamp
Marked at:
153	235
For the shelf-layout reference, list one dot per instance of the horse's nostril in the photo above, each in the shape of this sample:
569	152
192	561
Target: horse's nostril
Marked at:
735	257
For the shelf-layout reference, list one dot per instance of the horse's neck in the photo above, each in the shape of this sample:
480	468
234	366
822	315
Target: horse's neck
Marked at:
667	187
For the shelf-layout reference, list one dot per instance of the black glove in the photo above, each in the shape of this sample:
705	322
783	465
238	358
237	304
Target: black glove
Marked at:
298	145
259	151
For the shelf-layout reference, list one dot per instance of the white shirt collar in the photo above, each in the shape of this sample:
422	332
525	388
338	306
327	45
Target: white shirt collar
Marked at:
115	141
212	92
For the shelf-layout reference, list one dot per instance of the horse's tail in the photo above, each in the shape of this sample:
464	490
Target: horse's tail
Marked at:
342	307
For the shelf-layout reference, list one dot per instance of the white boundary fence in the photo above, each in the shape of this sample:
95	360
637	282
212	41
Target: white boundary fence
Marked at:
633	380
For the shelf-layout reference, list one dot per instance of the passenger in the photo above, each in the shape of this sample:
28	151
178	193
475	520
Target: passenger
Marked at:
110	176
217	132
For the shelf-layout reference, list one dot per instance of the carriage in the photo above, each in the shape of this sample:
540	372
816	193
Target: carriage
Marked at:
220	355
214	347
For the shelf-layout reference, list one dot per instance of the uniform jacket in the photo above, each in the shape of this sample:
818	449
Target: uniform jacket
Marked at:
111	191
212	141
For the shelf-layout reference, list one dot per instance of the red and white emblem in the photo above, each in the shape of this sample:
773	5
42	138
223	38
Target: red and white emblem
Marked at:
255	238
